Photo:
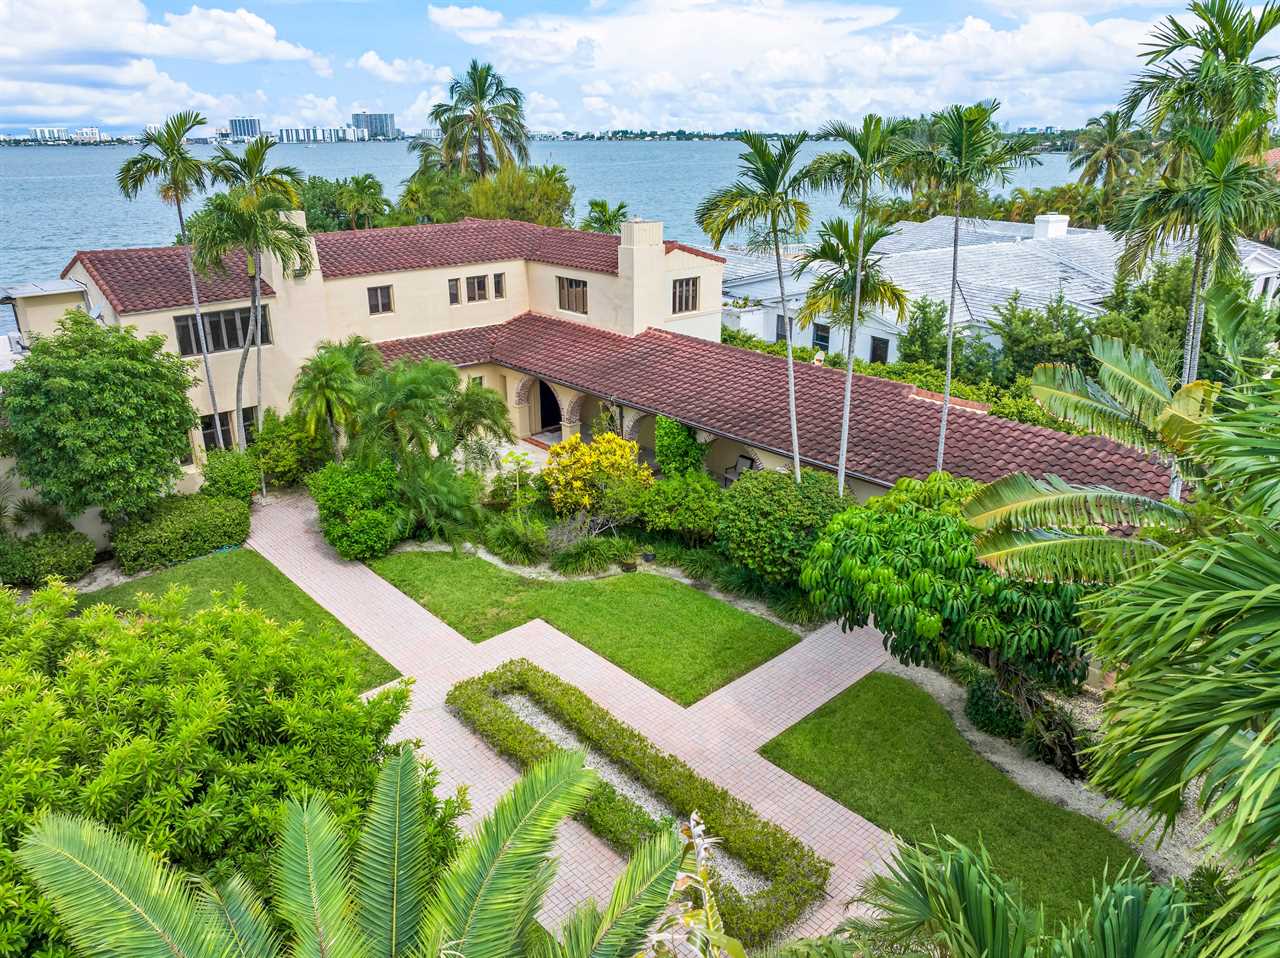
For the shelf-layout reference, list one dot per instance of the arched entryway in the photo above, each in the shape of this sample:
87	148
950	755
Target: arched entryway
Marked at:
549	413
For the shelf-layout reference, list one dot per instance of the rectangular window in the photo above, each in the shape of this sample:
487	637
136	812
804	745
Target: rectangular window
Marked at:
780	329
684	295
228	437
879	349
454	296
499	285
477	380
477	289
573	294
223	330
821	336
379	300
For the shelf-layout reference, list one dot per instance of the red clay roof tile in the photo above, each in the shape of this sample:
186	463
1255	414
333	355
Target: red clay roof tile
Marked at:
155	277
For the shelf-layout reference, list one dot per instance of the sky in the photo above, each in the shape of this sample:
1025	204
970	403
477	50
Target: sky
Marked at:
777	65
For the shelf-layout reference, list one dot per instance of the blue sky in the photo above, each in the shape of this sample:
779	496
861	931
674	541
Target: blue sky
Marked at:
583	64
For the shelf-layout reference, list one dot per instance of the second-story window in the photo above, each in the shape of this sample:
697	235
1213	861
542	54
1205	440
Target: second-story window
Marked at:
223	330
821	336
455	296
499	285
477	289
684	295
573	294
379	299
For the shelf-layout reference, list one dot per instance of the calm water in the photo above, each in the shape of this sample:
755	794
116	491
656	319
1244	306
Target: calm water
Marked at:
55	200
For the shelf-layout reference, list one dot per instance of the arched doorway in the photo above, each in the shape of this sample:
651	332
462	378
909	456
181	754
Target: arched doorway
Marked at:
548	408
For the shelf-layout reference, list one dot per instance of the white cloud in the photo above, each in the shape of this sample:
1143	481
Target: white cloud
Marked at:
543	112
401	71
414	116
311	110
454	17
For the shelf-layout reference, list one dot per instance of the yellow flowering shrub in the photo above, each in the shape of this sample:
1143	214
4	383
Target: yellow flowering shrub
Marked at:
577	473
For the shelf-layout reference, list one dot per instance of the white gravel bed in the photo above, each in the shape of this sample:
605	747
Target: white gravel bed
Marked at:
731	870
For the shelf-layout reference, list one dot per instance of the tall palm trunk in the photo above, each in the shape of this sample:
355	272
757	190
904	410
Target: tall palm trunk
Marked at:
853	340
333	435
237	427
791	368
1190	361
200	337
951	330
257	334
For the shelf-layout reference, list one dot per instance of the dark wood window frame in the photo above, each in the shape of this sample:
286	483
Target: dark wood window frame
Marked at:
684	295
224	330
380	300
573	294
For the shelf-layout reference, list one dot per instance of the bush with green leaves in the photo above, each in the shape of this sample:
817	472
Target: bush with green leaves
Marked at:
992	710
517	537
29	560
183	730
768	521
592	555
285	451
685	504
676	448
231	474
180	528
359	508
97	416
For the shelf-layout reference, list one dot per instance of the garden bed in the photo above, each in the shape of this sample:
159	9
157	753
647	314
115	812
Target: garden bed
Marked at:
796	877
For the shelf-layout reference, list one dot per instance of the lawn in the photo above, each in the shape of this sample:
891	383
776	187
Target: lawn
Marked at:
266	588
886	750
672	637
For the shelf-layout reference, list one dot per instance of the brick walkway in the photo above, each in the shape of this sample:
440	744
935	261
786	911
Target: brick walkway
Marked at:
717	736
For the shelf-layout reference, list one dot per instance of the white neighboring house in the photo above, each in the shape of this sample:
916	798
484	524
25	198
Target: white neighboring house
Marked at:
997	258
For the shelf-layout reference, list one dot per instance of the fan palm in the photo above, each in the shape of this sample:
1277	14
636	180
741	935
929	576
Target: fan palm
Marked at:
603	218
361	196
478	417
848	280
115	898
765	200
1109	149
967	154
166	161
239	222
482	125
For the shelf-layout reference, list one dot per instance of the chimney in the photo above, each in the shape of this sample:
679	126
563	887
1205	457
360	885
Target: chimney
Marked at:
1051	226
642	269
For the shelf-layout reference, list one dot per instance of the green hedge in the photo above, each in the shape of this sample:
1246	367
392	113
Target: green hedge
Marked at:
797	876
231	474
181	528
32	559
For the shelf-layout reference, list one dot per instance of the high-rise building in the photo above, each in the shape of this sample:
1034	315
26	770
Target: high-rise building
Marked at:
379	125
48	134
245	127
88	134
320	134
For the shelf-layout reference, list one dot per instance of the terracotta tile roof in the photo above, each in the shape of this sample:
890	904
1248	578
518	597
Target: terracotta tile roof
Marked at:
1272	158
742	395
394	248
155	277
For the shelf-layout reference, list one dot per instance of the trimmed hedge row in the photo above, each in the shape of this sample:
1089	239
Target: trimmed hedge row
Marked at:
32	559
797	876
181	528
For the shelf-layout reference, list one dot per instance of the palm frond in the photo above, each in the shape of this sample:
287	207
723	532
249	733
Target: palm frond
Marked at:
391	860
1242	447
1191	407
313	886
1130	917
1131	378
1069	556
114	897
640	895
242	915
1065	392
488	883
1019	499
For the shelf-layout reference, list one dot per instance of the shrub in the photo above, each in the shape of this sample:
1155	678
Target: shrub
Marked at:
797	877
28	561
769	522
514	485
183	730
517	538
181	528
991	710
685	504
578	473
359	508
593	554
676	448
285	452
230	474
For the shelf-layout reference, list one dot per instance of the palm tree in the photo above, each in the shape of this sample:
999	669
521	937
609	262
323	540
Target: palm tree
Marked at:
1109	149
361	196
482	125
603	218
766	201
430	156
165	159
1220	193
325	391
967	154
238	221
402	412
116	898
478	419
843	289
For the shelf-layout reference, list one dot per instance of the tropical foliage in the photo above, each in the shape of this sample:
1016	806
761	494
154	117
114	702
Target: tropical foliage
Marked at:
604	218
584	477
482	125
535	194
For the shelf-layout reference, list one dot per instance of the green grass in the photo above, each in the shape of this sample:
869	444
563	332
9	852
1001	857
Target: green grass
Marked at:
266	588
885	749
672	637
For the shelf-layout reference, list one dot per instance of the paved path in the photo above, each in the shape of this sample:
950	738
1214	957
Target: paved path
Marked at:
718	736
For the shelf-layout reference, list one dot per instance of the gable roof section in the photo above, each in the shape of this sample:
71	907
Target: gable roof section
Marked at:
741	395
155	277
